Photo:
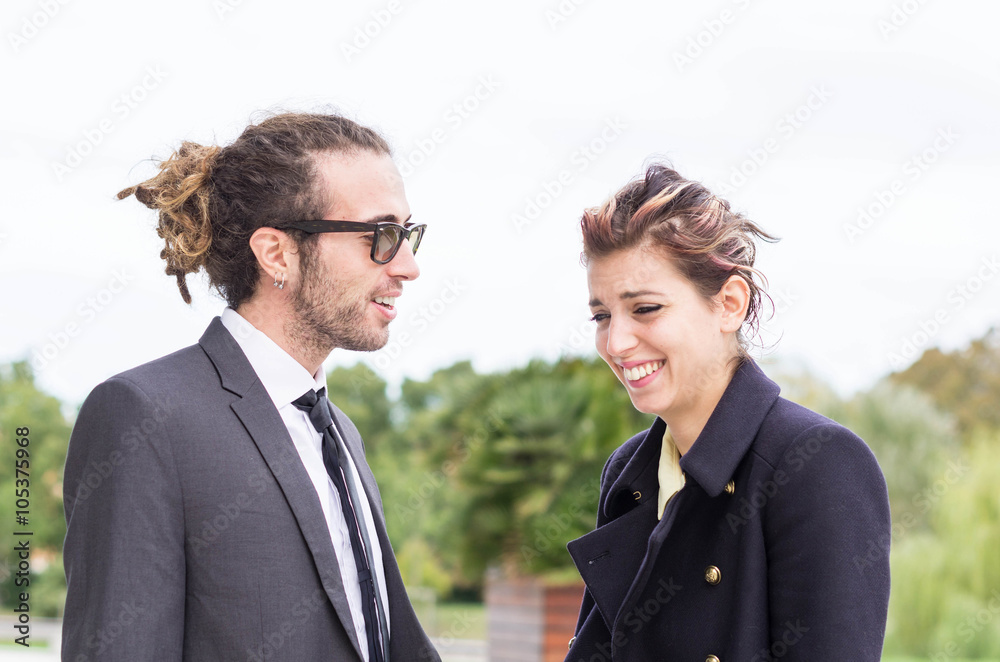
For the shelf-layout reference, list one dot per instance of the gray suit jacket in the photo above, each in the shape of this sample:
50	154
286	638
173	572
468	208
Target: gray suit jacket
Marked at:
193	530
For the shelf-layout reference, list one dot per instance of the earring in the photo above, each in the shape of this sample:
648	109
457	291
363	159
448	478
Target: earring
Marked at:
282	285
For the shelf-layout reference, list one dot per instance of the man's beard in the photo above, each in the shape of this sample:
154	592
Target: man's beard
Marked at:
329	314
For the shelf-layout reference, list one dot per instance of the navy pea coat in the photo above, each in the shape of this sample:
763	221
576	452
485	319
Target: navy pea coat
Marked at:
776	548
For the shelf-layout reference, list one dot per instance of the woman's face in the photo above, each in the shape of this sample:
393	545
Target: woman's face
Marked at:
669	346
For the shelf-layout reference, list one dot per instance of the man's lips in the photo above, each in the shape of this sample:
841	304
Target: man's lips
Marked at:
387	298
386	303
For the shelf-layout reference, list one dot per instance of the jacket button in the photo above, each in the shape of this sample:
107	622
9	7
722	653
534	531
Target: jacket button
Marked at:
713	575
711	658
571	642
730	487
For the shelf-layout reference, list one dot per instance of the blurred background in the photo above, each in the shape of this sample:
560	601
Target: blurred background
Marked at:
863	133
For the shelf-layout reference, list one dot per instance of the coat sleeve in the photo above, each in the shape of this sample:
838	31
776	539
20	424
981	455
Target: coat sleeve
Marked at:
124	549
827	531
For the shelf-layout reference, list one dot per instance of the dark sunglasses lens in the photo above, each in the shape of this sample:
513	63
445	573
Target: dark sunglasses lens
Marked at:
388	239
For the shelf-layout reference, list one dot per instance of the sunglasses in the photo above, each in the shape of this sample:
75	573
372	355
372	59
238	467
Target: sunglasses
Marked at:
386	237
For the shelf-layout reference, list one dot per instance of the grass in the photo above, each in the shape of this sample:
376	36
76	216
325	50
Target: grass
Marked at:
459	620
10	645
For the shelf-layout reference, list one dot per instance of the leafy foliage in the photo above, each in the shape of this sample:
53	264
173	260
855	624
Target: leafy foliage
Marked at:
480	470
965	382
503	468
946	581
22	405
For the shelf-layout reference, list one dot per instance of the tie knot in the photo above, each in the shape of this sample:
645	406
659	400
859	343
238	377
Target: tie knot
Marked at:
317	406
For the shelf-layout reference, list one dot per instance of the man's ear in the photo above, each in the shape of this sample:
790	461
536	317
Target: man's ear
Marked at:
276	253
733	299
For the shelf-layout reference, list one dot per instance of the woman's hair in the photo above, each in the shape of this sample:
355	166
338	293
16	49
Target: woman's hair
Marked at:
706	240
212	199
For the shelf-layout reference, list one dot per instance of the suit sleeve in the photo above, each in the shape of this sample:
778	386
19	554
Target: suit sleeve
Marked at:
124	549
827	531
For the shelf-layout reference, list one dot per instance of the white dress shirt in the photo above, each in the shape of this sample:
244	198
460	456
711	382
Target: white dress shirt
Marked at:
286	380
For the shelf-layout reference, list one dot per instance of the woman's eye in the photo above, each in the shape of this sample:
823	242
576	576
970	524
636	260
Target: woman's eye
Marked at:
647	309
599	317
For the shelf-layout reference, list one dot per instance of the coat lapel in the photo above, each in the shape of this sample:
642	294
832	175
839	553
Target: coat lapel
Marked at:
638	474
610	556
268	432
614	551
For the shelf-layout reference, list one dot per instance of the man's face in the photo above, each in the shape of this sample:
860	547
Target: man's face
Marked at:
335	305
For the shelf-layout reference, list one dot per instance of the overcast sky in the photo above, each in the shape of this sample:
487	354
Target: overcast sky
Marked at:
862	132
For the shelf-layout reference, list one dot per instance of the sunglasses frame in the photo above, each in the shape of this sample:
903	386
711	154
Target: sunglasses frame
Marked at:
377	229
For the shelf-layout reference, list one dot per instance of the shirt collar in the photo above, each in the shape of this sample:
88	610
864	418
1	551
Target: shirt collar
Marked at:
282	376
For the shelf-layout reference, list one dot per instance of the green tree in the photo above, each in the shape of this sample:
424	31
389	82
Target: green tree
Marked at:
964	382
361	394
909	436
442	423
533	484
23	405
946	581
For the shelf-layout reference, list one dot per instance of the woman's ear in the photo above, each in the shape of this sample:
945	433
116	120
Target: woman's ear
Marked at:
733	299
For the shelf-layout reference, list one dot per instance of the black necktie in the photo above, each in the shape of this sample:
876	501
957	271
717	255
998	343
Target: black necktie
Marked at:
318	408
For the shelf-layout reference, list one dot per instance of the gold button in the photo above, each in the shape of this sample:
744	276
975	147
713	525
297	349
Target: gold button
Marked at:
637	494
711	658
713	575
571	642
730	487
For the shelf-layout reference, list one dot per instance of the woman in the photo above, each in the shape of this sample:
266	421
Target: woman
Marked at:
740	527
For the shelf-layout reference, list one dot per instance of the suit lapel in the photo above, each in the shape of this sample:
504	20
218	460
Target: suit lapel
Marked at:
267	430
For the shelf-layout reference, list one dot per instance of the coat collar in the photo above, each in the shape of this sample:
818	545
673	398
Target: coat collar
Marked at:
719	448
730	429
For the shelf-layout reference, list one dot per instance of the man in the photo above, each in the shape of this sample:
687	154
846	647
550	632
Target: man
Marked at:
218	507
